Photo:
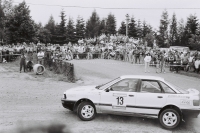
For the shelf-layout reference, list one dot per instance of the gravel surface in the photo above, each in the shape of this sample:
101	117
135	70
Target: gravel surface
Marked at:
29	100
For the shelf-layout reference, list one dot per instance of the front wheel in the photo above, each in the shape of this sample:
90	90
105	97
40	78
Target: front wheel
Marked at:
169	118
86	111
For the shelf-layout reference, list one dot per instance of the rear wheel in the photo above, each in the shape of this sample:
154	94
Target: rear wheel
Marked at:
86	111
169	118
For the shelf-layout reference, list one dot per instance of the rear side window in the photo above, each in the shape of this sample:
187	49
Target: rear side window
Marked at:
151	87
166	88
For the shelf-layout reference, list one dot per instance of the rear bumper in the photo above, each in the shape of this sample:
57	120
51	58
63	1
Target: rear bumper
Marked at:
68	104
190	113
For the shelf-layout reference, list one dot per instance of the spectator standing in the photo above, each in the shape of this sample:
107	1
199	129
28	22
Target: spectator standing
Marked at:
137	54
178	61
156	62
162	62
185	61
190	62
197	64
40	57
23	62
147	60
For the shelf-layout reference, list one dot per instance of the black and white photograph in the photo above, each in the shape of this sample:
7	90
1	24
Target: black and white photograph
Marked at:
99	66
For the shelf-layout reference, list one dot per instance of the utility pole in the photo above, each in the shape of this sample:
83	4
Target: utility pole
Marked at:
127	20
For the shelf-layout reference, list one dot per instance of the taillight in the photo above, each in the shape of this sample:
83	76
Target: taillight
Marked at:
196	102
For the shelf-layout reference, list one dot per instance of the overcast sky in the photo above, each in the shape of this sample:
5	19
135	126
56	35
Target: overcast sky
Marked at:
41	13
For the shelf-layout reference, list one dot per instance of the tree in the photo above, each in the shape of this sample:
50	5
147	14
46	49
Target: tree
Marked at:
122	29
139	29
2	18
43	34
192	24
102	27
149	38
60	37
71	37
50	26
180	32
190	29
80	28
173	36
20	26
111	24
132	28
163	30
92	26
146	29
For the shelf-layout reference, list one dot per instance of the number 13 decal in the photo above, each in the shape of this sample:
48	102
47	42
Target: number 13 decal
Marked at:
120	101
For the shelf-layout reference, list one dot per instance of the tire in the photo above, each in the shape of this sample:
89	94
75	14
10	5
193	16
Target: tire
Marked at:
86	111
169	118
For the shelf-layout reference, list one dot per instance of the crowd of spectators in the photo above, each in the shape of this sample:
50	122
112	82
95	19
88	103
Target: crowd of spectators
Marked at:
133	51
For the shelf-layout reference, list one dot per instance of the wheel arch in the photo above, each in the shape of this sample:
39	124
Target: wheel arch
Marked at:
80	101
171	106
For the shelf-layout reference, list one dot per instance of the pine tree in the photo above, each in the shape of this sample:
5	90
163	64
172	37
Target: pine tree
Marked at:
191	31
59	36
192	24
122	29
139	29
80	29
132	28
92	26
145	29
63	23
163	30
111	24
180	32
50	26
173	31
102	27
71	36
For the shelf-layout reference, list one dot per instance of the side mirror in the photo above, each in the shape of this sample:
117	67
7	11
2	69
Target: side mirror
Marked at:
107	90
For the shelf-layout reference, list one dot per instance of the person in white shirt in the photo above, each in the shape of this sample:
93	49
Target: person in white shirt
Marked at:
190	62
40	57
147	60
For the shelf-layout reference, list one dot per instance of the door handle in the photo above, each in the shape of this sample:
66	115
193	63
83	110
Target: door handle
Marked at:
160	97
131	95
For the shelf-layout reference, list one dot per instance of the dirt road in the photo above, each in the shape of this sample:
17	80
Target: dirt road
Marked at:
29	100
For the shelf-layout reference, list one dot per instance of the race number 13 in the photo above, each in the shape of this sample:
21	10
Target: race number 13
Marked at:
120	101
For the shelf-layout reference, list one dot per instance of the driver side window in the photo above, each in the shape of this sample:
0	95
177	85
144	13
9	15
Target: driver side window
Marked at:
126	85
151	87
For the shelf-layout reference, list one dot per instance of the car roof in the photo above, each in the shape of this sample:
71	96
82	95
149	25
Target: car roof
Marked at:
142	77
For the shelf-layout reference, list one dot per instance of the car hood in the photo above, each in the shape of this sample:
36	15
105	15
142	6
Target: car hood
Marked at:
83	89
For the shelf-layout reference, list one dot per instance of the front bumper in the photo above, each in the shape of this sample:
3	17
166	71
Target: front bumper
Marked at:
68	104
190	113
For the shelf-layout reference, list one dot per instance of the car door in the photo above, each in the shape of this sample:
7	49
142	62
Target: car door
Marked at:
150	98
119	97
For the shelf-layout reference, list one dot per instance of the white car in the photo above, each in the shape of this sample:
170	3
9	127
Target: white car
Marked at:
134	95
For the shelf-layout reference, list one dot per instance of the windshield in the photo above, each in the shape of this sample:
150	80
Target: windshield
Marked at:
99	86
176	87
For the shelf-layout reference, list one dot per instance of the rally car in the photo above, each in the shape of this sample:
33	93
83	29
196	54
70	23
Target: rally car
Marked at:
134	95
